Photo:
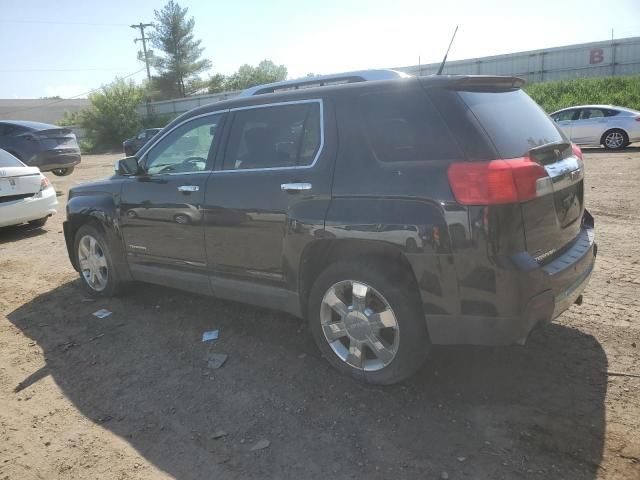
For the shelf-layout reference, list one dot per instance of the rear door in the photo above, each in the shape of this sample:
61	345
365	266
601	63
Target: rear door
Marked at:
274	181
518	127
589	126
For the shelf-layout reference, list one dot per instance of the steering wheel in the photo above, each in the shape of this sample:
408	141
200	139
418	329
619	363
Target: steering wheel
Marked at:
188	165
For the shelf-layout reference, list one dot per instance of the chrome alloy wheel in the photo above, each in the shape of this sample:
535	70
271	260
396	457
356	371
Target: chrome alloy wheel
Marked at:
614	140
359	325
93	263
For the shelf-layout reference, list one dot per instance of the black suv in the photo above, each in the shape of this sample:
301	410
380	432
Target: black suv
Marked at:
393	215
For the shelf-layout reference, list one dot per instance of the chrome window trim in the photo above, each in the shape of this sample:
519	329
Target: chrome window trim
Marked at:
319	101
187	120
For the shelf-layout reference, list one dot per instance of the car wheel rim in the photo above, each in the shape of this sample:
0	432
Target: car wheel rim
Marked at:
93	263
614	140
359	325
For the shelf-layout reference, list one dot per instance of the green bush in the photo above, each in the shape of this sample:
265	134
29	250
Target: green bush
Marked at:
111	117
620	91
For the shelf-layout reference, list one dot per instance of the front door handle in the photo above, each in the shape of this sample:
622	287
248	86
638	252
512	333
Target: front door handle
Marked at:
295	187
188	188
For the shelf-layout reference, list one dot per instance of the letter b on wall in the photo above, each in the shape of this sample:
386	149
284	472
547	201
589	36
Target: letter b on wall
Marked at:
596	55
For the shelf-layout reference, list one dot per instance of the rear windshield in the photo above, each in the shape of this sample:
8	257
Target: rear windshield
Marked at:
514	122
8	160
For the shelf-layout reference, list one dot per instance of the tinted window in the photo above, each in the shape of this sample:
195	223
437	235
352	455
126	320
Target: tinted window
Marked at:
405	128
588	113
513	121
274	136
8	129
8	160
610	113
185	149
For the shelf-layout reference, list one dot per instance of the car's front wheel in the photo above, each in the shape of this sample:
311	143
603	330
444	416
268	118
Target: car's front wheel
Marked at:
63	172
368	322
95	264
615	139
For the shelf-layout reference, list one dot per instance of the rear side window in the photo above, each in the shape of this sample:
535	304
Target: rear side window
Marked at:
274	137
8	160
514	122
405	128
564	116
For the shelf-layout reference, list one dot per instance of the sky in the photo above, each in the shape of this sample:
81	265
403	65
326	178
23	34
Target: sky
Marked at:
68	47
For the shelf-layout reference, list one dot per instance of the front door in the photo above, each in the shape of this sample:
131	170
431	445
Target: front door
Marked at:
565	120
161	208
274	180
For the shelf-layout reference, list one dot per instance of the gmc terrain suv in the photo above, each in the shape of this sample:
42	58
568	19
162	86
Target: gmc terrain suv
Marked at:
391	214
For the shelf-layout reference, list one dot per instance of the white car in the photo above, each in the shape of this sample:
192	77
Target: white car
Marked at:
26	195
613	127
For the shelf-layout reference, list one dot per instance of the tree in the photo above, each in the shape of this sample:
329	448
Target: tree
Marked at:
248	76
217	83
181	63
112	115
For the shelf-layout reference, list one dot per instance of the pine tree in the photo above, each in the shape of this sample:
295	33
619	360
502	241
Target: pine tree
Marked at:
181	62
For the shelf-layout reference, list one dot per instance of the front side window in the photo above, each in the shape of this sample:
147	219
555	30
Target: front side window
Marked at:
564	116
186	149
274	137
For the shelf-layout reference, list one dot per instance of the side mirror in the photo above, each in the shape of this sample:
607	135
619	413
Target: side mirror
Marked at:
127	166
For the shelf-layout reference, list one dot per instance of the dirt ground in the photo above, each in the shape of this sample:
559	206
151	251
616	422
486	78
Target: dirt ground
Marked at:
131	396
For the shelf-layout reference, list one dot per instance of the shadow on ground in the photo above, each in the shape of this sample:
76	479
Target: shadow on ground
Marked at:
141	373
19	232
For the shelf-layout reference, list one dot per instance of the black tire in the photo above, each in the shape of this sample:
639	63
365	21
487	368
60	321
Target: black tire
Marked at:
401	294
63	172
114	286
615	146
39	223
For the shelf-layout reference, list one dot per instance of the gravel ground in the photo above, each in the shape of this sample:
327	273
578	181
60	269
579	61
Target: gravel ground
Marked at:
131	396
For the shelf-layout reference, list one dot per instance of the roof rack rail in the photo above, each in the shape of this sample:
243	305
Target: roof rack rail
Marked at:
324	80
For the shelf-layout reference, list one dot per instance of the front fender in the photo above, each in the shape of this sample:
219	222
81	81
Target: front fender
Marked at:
99	210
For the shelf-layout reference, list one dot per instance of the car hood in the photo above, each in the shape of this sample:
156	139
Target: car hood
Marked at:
106	186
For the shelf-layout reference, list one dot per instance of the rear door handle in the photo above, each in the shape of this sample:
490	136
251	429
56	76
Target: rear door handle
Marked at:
188	188
295	187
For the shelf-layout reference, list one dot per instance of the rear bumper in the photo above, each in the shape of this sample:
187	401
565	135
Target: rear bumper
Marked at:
537	294
25	210
52	159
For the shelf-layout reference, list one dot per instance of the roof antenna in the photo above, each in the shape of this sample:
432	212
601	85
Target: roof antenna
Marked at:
444	60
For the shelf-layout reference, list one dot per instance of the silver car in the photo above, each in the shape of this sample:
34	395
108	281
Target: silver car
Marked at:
613	127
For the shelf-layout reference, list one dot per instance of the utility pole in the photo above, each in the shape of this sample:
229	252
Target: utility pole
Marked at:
143	39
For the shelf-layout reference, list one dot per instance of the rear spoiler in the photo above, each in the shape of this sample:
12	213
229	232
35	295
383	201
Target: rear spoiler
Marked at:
473	82
48	133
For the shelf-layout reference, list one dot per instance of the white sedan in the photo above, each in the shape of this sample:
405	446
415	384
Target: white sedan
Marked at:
613	127
26	195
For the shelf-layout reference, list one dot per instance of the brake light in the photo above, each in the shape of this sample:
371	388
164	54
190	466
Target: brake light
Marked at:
44	183
577	151
496	181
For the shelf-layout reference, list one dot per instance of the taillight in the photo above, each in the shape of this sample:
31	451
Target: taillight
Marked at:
496	181
576	151
637	119
44	183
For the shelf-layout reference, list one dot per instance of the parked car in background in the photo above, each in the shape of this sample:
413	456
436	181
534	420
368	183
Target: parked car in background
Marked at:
48	147
612	127
26	195
131	145
391	214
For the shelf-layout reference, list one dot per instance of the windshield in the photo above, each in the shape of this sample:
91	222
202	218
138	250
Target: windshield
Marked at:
8	160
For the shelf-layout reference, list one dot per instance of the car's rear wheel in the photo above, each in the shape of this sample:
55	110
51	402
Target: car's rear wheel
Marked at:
63	172
368	324
615	139
95	264
38	223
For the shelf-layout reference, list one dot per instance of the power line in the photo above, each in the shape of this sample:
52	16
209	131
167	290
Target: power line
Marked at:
53	102
48	22
61	70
